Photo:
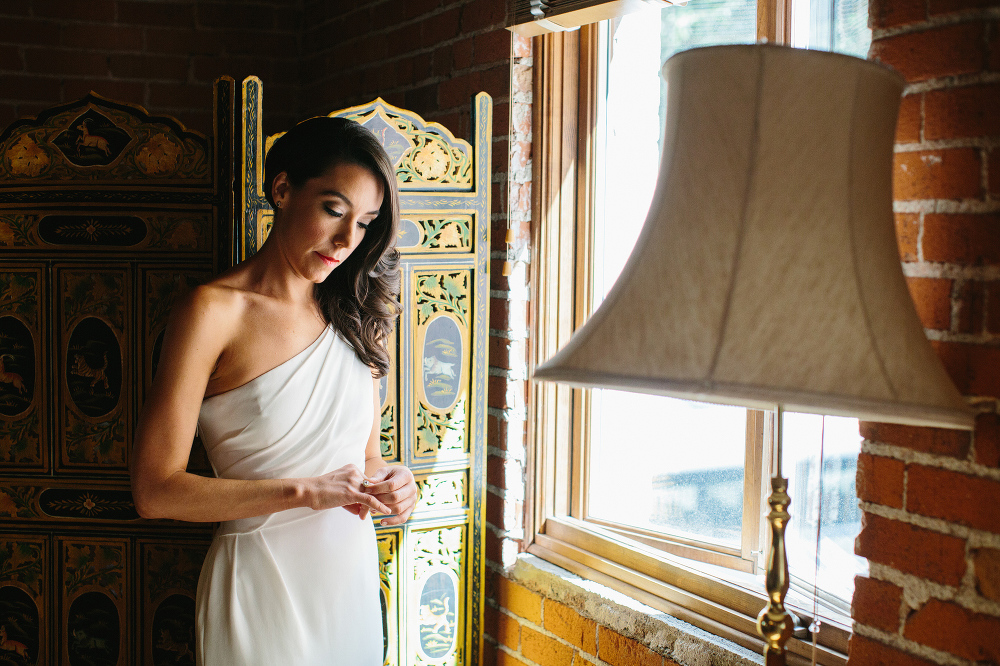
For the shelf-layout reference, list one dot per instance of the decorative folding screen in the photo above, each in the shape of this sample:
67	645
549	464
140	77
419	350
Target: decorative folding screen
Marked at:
106	215
434	398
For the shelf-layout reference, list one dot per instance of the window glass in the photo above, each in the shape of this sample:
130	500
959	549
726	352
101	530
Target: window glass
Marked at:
832	25
661	464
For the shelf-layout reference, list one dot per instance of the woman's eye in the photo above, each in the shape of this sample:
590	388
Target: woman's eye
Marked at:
335	213
364	225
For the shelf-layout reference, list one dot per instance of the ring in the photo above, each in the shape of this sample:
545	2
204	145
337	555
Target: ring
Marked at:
366	483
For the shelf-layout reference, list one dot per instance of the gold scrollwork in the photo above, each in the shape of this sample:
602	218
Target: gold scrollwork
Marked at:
442	491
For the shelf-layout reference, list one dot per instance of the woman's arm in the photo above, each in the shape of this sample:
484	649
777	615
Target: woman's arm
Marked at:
199	330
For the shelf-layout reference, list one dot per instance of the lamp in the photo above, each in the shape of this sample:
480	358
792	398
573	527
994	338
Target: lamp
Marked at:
767	273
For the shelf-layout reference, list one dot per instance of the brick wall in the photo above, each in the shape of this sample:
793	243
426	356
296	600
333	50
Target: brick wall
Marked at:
931	498
163	56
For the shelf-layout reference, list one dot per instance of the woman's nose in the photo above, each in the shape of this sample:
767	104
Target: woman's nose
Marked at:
345	236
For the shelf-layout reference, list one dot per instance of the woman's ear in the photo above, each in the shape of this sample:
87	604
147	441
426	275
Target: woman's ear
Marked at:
279	189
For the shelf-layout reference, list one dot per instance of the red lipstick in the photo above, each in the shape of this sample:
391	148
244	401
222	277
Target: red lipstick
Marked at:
330	261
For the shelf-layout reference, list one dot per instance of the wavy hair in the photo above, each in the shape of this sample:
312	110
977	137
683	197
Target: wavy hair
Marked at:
360	299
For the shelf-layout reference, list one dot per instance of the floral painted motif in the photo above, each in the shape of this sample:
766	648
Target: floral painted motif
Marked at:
159	156
27	158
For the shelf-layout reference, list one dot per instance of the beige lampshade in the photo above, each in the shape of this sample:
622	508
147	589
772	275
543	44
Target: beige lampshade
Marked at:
767	271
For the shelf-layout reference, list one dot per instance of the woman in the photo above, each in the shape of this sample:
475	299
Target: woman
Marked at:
276	362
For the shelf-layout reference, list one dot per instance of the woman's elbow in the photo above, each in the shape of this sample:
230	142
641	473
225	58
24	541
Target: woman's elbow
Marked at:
146	500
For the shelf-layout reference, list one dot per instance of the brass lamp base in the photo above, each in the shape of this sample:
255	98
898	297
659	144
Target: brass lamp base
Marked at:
775	623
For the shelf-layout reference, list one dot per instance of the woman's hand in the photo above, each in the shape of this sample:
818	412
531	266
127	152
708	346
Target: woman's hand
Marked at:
345	487
394	487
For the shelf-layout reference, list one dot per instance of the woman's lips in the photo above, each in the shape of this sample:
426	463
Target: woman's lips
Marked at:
330	261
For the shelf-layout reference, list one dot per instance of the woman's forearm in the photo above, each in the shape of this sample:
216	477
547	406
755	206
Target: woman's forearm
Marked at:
193	498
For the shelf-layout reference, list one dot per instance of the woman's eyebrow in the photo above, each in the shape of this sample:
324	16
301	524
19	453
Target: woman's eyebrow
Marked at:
335	193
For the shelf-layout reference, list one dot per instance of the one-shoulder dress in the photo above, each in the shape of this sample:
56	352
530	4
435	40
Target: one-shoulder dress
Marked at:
298	586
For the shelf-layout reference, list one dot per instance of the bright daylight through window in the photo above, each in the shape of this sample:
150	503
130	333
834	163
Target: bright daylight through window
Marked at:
685	464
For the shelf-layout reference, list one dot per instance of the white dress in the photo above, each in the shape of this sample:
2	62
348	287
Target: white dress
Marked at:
298	586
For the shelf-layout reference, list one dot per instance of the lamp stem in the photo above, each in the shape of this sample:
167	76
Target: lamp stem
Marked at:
775	624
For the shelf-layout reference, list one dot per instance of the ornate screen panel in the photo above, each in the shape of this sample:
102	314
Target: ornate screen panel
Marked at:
107	214
434	398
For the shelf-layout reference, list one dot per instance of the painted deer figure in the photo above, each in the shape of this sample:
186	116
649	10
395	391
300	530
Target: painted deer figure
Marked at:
168	644
88	140
12	646
12	378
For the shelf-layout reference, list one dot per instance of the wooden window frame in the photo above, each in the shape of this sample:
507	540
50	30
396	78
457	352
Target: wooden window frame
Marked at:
645	566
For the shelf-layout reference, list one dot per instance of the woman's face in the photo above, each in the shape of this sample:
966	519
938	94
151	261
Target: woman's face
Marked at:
320	223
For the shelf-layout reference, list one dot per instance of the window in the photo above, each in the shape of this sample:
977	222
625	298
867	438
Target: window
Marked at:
664	498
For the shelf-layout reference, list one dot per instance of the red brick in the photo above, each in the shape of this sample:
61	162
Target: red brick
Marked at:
947	51
910	119
969	635
891	13
17	7
519	600
66	62
932	298
439	28
938	7
8	114
495	511
179	95
522	46
92	10
959	498
958	113
496	81
880	480
180	41
908	235
864	651
618	650
939	441
504	659
972	367
986	563
876	603
10	59
988	440
415	8
993	172
962	238
35	88
505	629
994	48
165	14
496	475
36	32
102	37
493	47
150	67
243	16
483	14
911	549
569	625
443	60
462	53
937	174
541	649
494	547
130	91
971	307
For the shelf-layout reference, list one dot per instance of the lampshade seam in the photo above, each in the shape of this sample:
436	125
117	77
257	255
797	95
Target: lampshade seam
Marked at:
751	174
865	314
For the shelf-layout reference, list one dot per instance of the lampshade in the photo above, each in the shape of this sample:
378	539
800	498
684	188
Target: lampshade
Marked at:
767	272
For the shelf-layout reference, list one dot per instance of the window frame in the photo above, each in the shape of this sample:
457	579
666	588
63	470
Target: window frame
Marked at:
566	89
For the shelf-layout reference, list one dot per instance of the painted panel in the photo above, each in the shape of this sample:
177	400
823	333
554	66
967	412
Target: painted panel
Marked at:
389	401
442	491
22	385
436	598
388	570
441	363
435	232
23	597
97	140
160	231
94	372
94	624
169	584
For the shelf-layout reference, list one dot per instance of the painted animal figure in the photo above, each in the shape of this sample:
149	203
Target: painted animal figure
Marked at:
12	378
168	644
9	645
82	369
435	366
439	620
88	140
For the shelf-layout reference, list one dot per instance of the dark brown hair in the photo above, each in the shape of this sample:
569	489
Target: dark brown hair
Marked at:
360	299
